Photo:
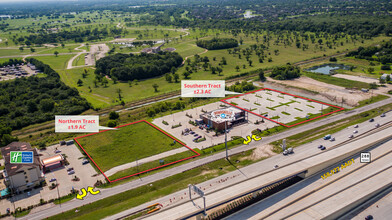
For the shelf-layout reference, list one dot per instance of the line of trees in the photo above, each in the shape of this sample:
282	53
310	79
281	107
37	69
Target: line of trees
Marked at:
128	67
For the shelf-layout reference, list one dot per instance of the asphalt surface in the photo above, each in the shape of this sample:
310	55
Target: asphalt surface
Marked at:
170	172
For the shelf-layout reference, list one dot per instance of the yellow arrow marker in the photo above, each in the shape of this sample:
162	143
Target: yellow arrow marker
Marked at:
255	138
90	189
84	193
248	140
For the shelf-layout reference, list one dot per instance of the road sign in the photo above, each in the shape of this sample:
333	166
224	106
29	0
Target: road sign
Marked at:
365	157
197	190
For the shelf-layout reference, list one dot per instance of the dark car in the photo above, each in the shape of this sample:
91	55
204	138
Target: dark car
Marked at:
323	148
371	120
69	169
85	162
369	217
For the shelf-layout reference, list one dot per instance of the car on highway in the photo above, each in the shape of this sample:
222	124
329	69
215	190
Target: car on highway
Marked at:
52	180
327	137
69	169
332	139
382	115
356	131
320	146
377	125
323	148
351	136
285	152
71	172
356	126
85	162
371	120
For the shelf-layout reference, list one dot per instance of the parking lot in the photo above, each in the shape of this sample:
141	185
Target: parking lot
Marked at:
281	107
184	117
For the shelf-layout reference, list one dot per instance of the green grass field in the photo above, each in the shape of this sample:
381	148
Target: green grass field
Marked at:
346	83
79	61
127	144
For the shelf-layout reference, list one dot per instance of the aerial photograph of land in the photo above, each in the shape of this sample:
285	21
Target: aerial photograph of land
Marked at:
195	109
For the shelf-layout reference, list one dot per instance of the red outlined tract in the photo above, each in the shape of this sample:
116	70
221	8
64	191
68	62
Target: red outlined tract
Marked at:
289	126
141	172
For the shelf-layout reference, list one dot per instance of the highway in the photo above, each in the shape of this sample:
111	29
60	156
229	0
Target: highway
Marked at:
311	198
301	152
249	185
170	172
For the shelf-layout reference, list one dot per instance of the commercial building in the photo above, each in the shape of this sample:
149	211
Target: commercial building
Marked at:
52	163
21	176
216	119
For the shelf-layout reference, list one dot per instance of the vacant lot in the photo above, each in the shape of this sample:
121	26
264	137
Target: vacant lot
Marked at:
129	143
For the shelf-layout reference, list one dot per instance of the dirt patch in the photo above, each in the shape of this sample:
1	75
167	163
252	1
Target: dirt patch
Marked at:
262	151
123	40
332	93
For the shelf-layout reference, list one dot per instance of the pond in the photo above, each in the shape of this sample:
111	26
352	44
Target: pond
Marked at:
328	68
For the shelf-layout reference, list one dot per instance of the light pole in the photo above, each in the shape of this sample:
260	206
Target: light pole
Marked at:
227	153
58	192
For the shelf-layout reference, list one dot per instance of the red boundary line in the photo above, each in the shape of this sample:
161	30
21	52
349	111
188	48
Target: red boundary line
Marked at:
288	126
111	181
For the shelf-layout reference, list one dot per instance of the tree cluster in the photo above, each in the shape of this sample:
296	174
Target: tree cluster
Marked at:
217	43
31	100
130	67
285	72
241	87
382	53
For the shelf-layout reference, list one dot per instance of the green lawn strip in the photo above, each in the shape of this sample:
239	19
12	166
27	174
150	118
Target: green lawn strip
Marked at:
64	199
22	213
152	164
311	106
116	147
300	138
134	197
275	117
284	104
337	81
257	104
233	103
299	109
286	113
271	108
372	100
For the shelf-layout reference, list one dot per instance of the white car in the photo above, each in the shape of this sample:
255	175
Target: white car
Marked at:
355	132
356	126
332	139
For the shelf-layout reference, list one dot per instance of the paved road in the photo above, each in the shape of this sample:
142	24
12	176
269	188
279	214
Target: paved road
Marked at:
243	174
170	172
188	207
315	190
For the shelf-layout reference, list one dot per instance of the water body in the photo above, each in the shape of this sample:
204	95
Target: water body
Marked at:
248	14
328	68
